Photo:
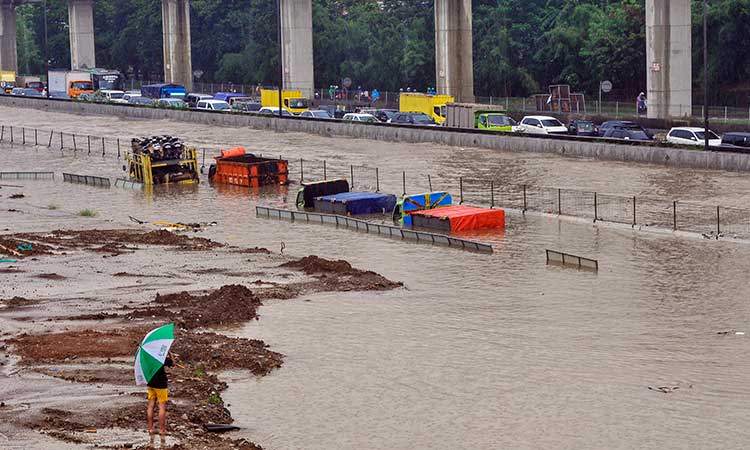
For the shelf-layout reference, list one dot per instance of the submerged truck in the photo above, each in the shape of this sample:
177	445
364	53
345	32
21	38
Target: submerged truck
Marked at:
294	102
432	105
483	117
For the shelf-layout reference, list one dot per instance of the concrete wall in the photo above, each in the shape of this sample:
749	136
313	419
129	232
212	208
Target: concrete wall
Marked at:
454	63
297	38
178	66
8	55
596	149
668	58
81	25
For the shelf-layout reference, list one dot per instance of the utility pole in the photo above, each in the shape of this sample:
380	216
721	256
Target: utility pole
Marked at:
281	58
705	74
46	49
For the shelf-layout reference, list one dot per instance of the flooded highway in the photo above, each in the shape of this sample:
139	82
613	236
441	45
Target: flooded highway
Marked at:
477	351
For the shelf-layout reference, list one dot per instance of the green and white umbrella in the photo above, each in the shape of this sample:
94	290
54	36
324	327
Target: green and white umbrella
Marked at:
152	352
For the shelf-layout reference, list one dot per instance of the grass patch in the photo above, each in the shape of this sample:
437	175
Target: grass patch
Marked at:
214	399
88	212
199	372
53	206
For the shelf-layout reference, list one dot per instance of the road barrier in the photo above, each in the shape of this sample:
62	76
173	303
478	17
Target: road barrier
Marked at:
27	175
372	228
128	184
565	259
86	179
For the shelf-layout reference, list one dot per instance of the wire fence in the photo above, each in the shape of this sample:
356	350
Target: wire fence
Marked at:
636	211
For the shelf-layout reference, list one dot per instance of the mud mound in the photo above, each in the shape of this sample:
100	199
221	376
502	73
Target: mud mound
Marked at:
71	345
9	246
315	265
115	241
213	351
228	305
51	276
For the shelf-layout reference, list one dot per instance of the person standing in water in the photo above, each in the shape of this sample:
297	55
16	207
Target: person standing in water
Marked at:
158	393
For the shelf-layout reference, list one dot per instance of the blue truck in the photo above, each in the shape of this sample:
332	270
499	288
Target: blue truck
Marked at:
165	90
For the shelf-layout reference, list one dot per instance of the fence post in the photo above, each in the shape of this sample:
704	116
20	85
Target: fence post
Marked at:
51	133
617	110
429	181
75	147
524	104
559	202
634	220
2	132
36	136
301	170
351	172
118	148
325	170
11	134
377	180
61	140
23	135
403	180
103	146
596	209
88	140
718	223
524	199
674	215
492	194
203	164
461	189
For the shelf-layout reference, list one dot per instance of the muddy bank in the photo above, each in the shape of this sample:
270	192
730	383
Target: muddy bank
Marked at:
100	353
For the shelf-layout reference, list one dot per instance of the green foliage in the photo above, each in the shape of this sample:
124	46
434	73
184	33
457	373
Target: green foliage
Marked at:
214	399
520	46
88	212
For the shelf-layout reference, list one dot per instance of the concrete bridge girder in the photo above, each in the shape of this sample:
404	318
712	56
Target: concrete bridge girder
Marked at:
178	67
81	26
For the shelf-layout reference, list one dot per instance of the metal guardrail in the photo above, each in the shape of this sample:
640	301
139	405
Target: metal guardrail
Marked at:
128	184
374	228
27	175
86	179
564	259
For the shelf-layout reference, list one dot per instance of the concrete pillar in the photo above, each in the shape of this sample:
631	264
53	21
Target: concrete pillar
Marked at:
178	66
297	44
8	55
668	58
454	63
81	25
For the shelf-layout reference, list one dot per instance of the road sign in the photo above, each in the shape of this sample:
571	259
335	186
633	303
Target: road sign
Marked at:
606	86
656	67
347	82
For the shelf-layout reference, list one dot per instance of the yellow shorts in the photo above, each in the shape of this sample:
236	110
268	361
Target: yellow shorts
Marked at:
161	395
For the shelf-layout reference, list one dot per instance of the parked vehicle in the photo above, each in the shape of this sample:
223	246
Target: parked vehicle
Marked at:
316	114
433	106
140	100
692	136
628	134
736	140
26	92
274	111
383	115
30	81
580	127
359	117
112	96
473	115
230	97
175	103
540	125
246	106
213	105
7	81
624	125
106	79
413	118
294	102
164	90
192	99
129	95
72	82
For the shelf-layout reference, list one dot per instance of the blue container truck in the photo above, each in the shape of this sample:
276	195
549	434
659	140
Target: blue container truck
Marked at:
165	90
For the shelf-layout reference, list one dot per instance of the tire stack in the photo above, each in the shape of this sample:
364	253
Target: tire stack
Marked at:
159	148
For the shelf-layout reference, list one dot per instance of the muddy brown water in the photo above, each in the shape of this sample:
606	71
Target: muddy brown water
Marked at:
479	351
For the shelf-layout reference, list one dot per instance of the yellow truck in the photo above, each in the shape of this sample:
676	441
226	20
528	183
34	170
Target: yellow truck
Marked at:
294	102
432	105
7	81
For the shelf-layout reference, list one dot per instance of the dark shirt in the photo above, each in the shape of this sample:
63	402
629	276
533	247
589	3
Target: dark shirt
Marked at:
159	380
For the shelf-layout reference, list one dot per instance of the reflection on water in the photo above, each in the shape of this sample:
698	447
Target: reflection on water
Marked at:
478	351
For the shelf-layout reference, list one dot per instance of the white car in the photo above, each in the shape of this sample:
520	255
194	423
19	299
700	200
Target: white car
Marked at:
316	114
213	105
113	96
540	125
126	98
692	136
359	117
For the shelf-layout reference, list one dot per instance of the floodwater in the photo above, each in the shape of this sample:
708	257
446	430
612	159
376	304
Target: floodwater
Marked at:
478	351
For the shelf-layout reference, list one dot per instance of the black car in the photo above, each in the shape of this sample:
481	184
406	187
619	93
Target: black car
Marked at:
412	118
632	134
583	128
246	106
383	115
736	142
623	125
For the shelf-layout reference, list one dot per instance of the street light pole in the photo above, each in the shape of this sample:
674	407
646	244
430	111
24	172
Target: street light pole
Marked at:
705	74
281	58
46	50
